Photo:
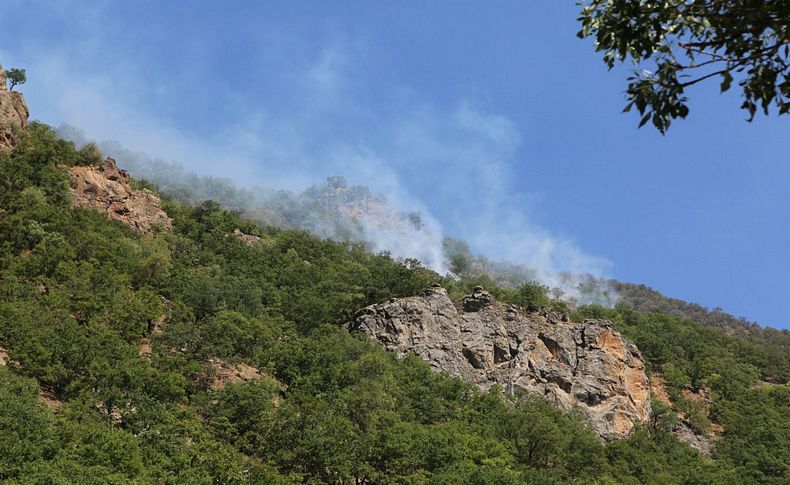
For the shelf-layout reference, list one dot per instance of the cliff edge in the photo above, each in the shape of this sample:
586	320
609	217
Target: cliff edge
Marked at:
13	114
586	366
106	189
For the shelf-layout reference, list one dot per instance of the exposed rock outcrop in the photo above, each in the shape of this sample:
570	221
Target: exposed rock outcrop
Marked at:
682	429
585	366
225	373
685	433
106	188
247	239
13	114
658	389
48	398
145	349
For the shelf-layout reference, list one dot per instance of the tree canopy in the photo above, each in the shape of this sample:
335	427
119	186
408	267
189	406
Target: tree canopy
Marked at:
676	44
114	342
16	76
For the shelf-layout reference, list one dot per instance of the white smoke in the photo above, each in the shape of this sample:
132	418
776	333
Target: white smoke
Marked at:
451	164
335	210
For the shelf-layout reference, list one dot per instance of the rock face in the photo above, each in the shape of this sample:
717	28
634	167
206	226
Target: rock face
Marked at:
682	429
686	434
106	188
247	239
584	366
13	114
225	373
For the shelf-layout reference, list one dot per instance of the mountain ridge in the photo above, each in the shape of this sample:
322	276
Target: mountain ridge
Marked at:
336	209
216	352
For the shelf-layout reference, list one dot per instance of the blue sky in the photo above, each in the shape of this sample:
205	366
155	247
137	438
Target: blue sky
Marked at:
492	118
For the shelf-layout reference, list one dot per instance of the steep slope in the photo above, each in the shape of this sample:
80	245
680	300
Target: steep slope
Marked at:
585	366
13	114
645	300
106	188
199	355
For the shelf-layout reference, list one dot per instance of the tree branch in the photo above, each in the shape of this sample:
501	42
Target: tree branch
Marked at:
706	76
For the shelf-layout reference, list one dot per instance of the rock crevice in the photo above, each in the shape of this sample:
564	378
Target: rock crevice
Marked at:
587	366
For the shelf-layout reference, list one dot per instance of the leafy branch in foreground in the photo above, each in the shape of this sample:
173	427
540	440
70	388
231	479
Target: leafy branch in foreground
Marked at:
690	41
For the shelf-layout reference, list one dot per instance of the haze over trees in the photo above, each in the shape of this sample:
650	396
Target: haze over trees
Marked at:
215	348
302	210
113	343
677	44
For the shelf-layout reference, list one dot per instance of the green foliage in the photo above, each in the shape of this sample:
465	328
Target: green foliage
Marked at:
772	344
690	356
757	434
662	417
460	258
91	155
658	457
690	42
23	425
532	295
125	333
15	77
243	413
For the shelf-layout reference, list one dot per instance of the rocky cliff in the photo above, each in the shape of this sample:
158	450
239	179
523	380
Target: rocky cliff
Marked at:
106	188
585	366
13	114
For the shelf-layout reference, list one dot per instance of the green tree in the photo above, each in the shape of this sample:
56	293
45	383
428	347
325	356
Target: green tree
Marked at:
15	76
533	295
83	401
684	42
459	256
23	425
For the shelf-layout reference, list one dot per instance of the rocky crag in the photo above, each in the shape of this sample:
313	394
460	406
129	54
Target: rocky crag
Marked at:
106	188
13	114
586	366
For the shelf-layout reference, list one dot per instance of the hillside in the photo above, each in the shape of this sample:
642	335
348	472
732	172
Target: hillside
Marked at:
645	300
336	210
332	209
205	347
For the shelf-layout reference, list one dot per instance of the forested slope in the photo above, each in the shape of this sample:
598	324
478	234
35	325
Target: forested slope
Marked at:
645	299
122	359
